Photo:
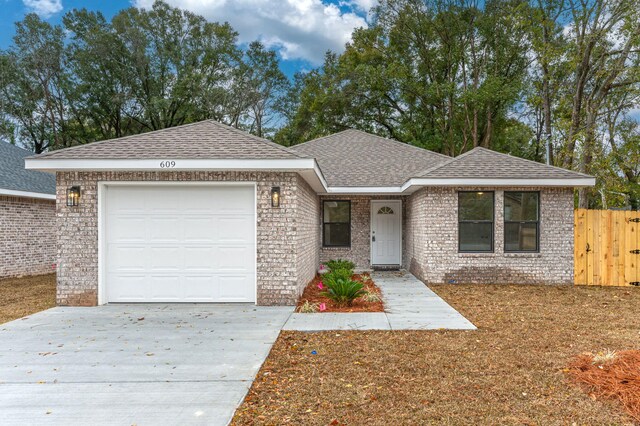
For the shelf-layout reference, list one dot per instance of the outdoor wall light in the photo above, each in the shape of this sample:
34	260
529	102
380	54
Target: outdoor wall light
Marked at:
73	196
275	196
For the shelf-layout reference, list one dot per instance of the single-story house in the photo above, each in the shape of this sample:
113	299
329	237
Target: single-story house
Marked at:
208	213
27	216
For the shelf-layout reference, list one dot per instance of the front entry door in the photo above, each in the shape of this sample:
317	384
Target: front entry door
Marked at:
386	232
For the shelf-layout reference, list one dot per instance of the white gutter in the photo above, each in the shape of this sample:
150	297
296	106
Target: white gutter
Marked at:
413	184
167	164
27	194
572	182
307	167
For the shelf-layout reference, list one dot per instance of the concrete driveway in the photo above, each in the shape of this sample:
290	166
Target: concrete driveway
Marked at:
133	364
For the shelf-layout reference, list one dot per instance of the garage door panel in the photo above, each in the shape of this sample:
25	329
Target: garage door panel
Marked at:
237	200
165	288
236	259
236	229
164	228
200	259
199	228
180	244
128	201
200	288
126	258
127	288
130	228
233	288
164	258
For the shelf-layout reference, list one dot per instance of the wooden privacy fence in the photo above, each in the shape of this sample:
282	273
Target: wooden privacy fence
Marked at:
607	247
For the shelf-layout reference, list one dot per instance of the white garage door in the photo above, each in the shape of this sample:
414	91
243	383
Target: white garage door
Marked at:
182	243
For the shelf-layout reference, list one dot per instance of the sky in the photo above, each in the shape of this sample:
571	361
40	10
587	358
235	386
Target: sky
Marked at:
301	31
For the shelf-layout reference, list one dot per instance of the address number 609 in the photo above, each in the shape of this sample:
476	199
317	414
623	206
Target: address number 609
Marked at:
167	164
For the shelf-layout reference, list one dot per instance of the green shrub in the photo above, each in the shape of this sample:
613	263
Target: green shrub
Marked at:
337	264
344	291
338	274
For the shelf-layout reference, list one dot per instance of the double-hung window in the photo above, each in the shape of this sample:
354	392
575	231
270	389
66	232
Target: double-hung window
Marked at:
336	223
521	221
475	221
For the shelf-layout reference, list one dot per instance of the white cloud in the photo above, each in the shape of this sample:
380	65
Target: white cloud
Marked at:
44	8
298	29
364	5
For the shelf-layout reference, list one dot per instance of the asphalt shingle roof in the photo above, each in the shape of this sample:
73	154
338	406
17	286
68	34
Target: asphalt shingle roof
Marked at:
15	177
202	140
482	163
355	158
350	158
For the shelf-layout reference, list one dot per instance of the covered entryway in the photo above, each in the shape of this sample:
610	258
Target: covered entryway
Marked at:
193	242
386	232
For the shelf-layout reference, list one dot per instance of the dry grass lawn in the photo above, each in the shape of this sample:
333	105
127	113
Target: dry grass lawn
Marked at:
511	371
26	295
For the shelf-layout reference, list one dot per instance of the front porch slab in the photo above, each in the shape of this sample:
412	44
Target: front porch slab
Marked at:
409	304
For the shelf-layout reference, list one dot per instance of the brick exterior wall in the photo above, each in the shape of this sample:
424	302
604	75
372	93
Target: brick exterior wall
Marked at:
432	245
278	240
360	250
27	236
308	233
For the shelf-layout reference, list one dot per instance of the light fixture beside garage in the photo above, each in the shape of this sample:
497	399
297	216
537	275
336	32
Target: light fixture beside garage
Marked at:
275	196
73	196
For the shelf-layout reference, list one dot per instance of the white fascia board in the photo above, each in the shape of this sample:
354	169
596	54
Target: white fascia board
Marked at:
412	184
45	164
364	190
307	167
27	194
573	182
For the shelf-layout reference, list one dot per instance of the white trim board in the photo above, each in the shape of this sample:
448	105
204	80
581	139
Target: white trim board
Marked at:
27	194
415	183
306	167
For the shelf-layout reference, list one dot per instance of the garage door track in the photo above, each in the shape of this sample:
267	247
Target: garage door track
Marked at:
133	364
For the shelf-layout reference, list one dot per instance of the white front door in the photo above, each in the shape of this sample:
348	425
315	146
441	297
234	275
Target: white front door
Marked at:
180	243
386	232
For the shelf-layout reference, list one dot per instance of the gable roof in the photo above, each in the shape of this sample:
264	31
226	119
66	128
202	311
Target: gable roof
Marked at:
350	161
206	139
353	158
17	181
482	163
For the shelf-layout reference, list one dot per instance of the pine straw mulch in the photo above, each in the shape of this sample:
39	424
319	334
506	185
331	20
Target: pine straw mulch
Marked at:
511	371
313	294
26	295
617	378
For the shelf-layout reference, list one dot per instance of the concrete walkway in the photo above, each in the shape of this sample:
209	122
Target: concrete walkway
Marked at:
133	364
410	305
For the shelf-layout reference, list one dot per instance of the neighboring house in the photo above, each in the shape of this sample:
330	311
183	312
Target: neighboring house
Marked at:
27	216
207	213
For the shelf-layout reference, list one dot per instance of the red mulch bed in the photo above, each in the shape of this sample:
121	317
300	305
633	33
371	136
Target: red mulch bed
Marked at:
312	294
615	379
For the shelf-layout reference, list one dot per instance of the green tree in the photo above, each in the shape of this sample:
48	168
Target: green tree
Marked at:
35	85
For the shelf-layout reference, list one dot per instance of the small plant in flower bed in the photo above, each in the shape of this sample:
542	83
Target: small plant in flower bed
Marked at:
337	264
371	297
337	274
340	290
308	307
344	291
